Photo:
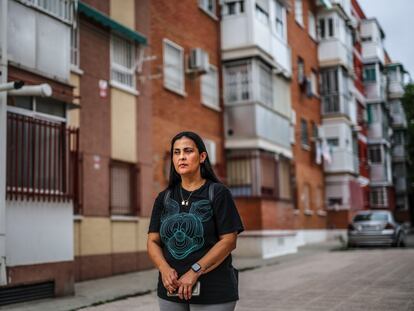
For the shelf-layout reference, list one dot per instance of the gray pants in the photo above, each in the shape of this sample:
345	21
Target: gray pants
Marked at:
166	305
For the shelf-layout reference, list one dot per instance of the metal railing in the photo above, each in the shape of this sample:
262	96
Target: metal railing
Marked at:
42	160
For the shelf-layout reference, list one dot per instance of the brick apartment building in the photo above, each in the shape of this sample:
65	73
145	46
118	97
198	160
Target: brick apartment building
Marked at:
309	175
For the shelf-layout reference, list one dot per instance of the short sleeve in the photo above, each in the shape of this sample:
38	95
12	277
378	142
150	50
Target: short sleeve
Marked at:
225	212
155	221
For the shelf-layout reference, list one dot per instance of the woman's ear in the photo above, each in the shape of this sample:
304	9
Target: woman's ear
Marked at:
203	157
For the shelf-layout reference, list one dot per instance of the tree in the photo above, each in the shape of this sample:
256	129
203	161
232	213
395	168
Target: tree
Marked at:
408	104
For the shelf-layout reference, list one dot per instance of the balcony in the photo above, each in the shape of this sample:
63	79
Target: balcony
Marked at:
254	38
343	160
33	35
395	89
254	126
400	184
378	131
379	173
332	52
345	5
334	105
372	52
375	91
398	152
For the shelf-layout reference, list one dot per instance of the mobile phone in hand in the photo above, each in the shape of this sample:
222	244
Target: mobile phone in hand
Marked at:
195	291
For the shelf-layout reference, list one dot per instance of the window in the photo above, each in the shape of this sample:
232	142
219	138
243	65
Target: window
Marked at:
210	88
280	19
333	142
211	150
299	12
123	182
330	27
238	82
122	62
321	28
42	155
314	130
314	83
301	70
330	91
398	138
173	67
262	11
285	185
334	201
258	174
74	45
326	28
304	135
208	5
231	7
373	113
378	197
319	198
62	9
370	74
265	85
312	25
375	154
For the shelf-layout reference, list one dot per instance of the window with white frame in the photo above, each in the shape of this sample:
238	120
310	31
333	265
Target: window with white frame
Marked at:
173	66
122	61
62	9
238	83
299	11
314	82
211	150
333	142
370	74
265	85
74	45
280	19
208	5
379	197
233	7
326	28
262	11
375	154
210	88
312	25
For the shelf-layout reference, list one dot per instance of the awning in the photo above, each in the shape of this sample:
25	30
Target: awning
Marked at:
326	3
106	21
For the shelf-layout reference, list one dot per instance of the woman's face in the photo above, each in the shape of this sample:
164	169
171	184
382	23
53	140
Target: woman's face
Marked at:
186	157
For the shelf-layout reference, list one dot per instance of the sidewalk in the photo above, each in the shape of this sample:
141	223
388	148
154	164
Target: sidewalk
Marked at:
113	288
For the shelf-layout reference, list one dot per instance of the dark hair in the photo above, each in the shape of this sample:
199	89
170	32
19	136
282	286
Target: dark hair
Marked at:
206	169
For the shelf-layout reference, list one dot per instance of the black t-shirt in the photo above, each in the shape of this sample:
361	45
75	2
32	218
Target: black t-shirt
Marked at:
189	232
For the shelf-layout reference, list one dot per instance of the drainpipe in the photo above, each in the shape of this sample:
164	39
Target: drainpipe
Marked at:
3	138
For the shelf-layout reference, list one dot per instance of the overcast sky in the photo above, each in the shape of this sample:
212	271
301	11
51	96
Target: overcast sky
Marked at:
397	20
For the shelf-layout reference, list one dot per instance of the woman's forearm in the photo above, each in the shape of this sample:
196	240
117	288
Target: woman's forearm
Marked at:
156	255
216	255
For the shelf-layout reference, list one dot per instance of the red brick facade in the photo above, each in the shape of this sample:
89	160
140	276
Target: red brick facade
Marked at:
307	172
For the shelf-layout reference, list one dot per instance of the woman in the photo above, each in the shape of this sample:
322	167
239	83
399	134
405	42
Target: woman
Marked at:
193	229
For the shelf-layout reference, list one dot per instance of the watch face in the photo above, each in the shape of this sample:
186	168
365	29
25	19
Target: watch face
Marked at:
196	267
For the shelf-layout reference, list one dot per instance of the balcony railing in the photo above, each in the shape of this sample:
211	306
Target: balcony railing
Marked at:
42	160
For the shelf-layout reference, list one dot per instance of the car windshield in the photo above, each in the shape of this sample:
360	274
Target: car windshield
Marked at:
371	216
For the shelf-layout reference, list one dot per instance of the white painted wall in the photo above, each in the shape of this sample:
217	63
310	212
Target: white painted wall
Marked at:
272	243
38	232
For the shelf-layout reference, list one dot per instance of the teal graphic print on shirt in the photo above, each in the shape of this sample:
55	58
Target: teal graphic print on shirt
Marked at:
183	233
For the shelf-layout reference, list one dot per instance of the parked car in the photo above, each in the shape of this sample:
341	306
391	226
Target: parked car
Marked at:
375	228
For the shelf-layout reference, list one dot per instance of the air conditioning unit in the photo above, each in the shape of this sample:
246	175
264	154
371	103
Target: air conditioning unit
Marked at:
198	61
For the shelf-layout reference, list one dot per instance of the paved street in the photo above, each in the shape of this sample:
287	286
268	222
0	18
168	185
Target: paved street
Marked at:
358	279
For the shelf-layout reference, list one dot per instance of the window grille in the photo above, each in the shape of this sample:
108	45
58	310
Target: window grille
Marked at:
173	66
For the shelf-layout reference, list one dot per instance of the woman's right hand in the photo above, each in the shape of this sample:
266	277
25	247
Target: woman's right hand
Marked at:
169	278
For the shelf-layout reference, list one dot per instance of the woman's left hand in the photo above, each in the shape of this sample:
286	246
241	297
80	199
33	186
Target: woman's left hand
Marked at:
187	282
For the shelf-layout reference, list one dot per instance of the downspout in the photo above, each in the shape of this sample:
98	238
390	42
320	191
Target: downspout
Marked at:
3	138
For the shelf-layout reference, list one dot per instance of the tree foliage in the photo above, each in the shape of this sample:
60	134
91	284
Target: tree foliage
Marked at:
408	104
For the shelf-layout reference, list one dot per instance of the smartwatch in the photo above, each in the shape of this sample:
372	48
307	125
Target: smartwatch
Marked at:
196	267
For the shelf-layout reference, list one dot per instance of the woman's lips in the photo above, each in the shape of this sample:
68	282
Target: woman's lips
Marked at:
182	165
